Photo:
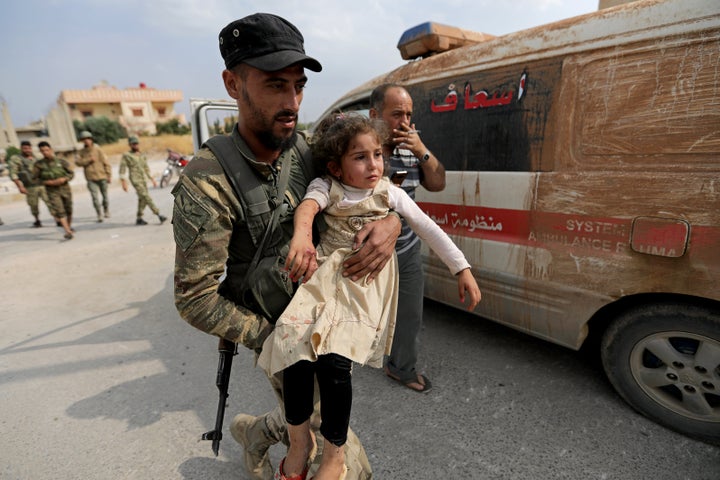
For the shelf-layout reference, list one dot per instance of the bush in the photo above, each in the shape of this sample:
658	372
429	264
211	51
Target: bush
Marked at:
11	151
103	129
172	127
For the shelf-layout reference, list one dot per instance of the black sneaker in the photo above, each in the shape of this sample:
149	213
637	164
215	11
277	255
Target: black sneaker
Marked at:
37	224
140	221
162	219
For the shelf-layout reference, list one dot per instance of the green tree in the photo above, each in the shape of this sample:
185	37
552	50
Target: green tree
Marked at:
11	151
103	129
172	127
229	123
215	130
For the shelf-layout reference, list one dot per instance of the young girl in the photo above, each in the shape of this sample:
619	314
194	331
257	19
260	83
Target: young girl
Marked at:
333	321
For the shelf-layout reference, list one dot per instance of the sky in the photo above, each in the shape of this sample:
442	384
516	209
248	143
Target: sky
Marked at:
51	45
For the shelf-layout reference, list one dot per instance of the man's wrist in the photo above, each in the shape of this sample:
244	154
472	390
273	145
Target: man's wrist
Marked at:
424	157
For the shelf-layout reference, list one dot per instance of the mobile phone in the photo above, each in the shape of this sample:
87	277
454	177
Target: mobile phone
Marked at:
398	177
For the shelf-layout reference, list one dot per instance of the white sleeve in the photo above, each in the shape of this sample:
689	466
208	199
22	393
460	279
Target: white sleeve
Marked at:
425	228
319	190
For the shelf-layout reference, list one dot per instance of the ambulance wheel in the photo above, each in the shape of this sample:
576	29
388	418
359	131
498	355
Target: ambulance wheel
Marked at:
664	360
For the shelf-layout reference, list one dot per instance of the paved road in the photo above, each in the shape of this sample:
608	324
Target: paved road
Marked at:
100	379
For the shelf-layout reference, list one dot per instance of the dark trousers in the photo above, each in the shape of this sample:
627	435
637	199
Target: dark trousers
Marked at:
406	342
334	378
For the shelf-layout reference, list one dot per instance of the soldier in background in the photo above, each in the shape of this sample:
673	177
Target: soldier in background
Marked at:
21	172
55	173
97	173
133	164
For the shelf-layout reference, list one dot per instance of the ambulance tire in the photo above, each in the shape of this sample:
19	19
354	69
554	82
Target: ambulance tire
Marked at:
664	360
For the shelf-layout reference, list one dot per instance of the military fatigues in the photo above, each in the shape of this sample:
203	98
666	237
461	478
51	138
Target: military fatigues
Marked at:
98	175
59	198
211	232
21	168
134	166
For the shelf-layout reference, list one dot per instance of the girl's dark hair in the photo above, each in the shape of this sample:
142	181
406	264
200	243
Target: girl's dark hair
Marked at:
332	136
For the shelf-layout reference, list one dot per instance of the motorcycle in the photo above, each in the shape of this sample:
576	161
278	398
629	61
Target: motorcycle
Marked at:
175	164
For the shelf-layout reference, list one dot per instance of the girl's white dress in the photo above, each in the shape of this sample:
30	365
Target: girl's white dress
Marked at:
333	314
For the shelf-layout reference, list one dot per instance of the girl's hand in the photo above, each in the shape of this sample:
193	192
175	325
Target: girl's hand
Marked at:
376	243
467	283
302	258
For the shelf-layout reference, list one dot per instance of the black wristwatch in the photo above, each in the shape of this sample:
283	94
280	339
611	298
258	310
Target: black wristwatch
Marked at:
424	158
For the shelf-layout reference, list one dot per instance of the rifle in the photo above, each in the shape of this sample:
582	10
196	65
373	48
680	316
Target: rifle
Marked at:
227	350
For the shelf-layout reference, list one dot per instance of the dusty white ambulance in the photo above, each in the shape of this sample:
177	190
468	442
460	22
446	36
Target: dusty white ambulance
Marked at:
583	183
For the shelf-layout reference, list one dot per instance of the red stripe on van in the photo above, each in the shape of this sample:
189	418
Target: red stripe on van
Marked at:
607	234
479	222
523	226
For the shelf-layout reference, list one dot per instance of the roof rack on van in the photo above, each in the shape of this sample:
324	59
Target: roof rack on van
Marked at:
430	38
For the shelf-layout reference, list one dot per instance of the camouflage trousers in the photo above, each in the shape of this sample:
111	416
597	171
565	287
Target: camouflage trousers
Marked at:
356	459
60	201
144	200
33	197
97	189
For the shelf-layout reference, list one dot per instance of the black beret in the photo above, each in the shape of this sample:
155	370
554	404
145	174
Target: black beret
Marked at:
266	42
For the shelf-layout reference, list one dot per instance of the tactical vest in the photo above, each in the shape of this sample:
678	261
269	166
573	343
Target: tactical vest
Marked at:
264	287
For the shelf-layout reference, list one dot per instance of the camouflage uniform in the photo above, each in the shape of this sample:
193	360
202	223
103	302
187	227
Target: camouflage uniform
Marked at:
60	198
134	166
98	175
210	233
21	168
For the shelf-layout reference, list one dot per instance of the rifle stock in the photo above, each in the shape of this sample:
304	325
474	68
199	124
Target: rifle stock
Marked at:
227	350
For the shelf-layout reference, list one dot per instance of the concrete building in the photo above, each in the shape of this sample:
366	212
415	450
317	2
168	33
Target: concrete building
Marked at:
56	128
137	109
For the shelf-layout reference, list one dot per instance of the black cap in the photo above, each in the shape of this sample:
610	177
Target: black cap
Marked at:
266	42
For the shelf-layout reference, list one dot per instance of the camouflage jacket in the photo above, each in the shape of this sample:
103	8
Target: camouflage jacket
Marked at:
211	232
99	169
52	169
20	168
135	166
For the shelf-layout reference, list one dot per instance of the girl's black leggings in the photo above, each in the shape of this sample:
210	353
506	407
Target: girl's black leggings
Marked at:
334	377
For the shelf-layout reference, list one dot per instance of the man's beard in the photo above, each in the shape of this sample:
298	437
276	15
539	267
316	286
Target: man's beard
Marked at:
273	142
264	132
